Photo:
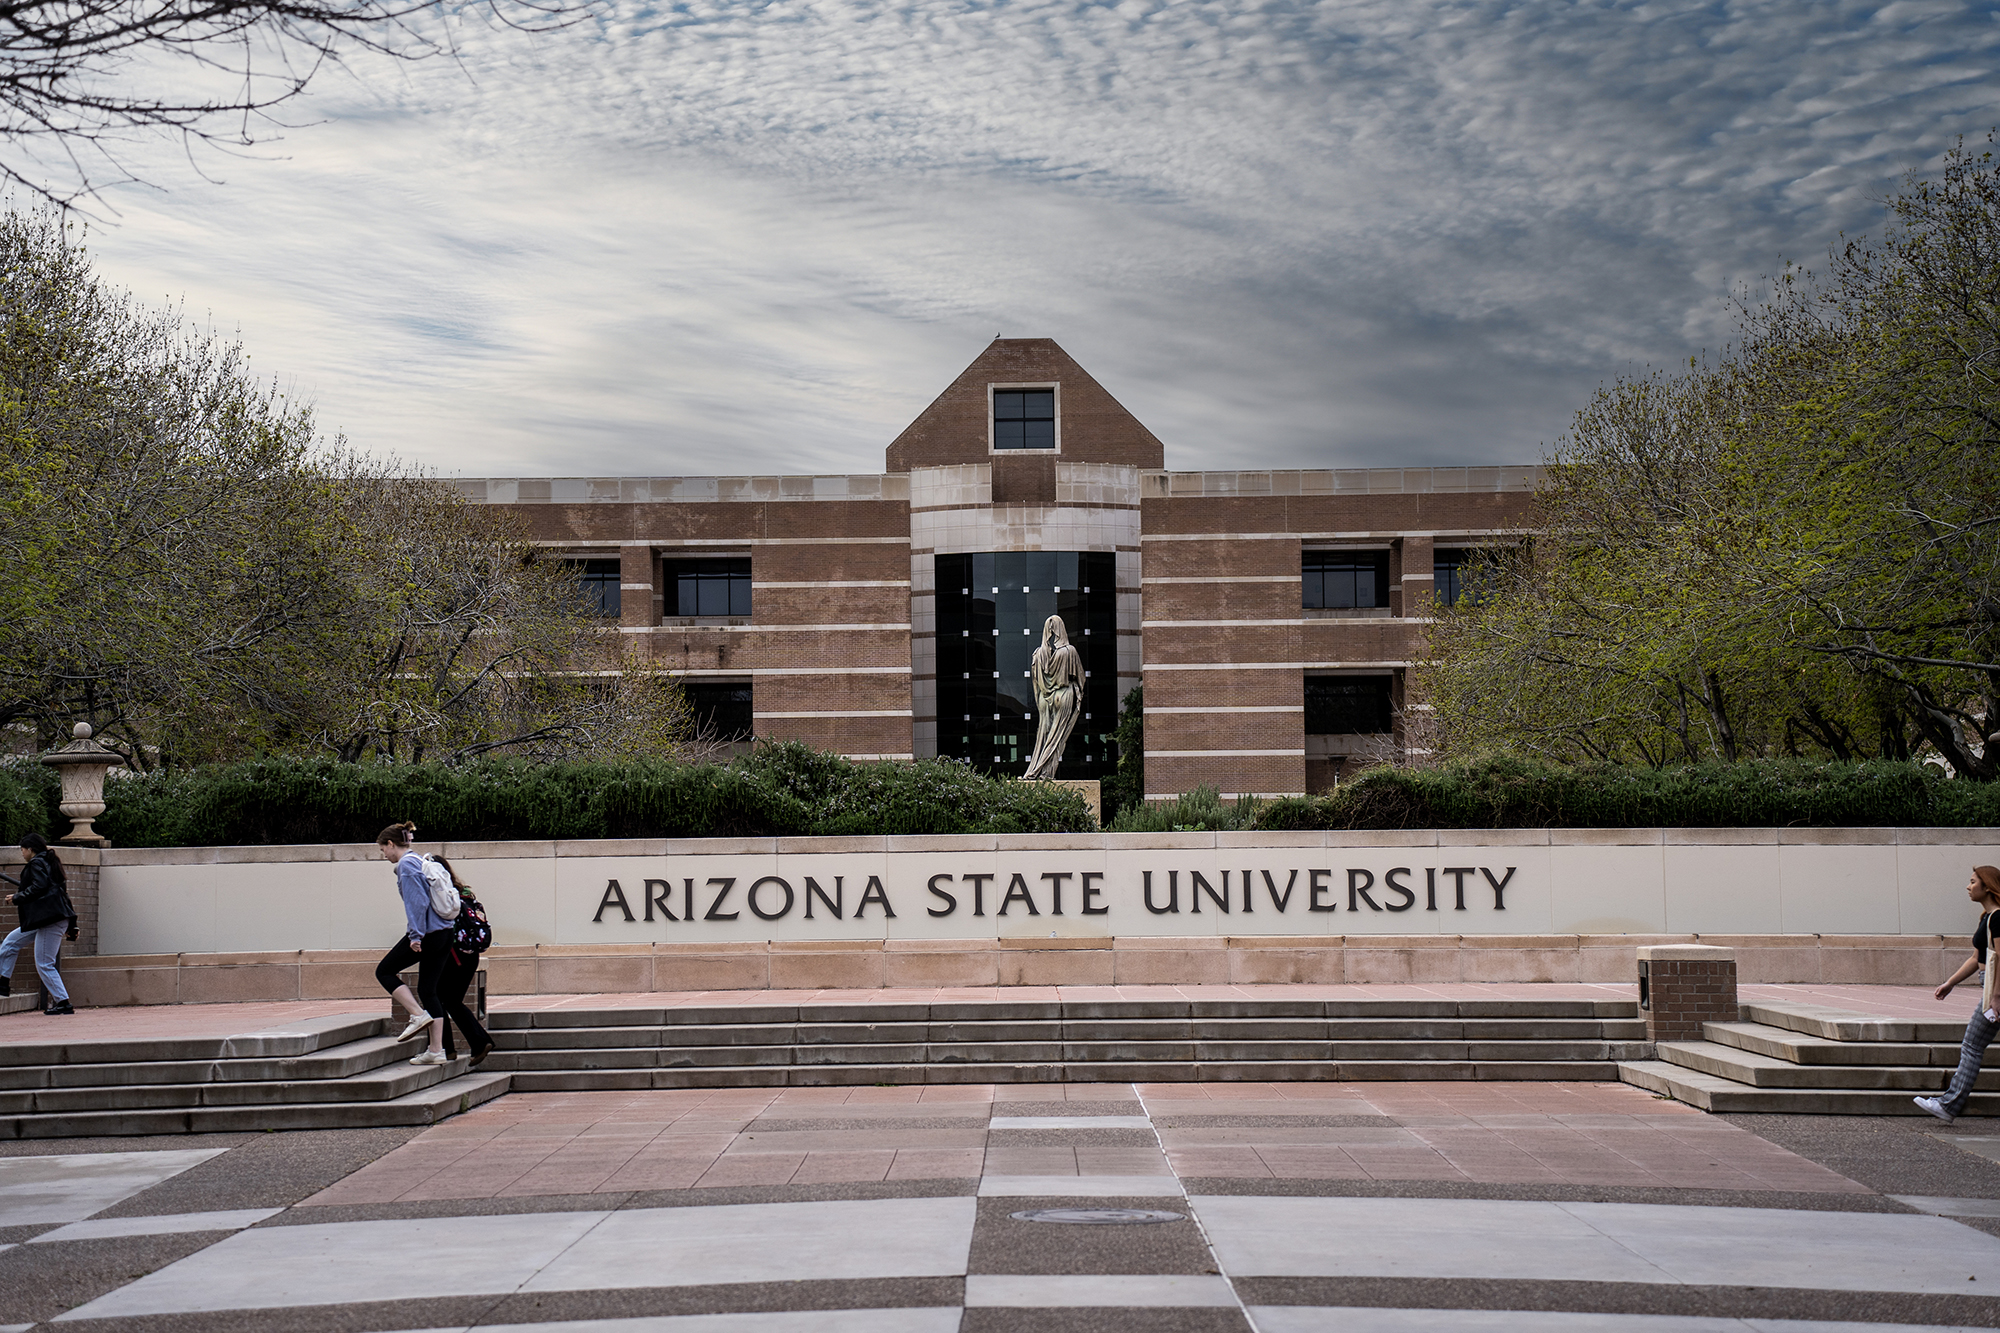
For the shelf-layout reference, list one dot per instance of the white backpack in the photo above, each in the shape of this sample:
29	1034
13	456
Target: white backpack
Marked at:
444	894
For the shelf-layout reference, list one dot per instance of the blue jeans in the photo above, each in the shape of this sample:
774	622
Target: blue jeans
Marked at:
48	939
1979	1035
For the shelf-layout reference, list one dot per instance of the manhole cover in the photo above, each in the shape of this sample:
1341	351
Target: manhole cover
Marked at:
1099	1217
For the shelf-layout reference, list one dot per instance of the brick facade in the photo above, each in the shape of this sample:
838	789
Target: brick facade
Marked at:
840	648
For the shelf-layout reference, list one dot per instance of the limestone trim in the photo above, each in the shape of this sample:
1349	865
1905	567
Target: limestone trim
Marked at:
1225	754
842	712
1386	535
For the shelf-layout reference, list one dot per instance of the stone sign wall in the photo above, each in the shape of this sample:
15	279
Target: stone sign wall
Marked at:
1596	882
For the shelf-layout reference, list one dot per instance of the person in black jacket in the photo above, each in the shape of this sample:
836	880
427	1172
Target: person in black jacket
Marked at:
46	919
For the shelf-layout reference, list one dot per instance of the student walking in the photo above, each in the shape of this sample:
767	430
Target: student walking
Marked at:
470	935
1984	889
426	942
47	919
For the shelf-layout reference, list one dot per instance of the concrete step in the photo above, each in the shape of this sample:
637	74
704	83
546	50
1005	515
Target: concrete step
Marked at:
1712	1093
1845	1025
381	1084
1063	1011
338	1062
426	1106
1764	1071
1797	1048
770	1076
1092	1030
1057	1052
294	1039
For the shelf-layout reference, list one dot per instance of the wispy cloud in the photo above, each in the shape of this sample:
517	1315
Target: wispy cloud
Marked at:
732	237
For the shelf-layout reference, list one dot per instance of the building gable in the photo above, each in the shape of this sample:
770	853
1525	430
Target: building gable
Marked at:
1093	426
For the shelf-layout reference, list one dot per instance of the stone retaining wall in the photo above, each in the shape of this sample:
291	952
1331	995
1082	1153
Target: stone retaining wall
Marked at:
1911	960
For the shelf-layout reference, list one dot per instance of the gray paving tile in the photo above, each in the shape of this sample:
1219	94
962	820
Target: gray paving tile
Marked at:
1080	1187
70	1187
1105	1319
918	1320
1070	1122
768	1242
1950	1207
1594	1242
163	1224
327	1264
1055	1290
1351	1319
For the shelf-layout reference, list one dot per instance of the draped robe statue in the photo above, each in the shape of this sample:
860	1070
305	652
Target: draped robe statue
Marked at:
1057	672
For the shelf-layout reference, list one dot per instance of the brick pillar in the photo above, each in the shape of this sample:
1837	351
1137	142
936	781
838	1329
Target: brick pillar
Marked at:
637	594
1682	986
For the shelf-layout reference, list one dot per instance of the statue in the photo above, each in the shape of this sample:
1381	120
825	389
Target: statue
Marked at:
1057	671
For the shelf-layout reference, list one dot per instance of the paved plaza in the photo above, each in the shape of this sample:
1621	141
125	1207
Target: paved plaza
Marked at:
1278	1207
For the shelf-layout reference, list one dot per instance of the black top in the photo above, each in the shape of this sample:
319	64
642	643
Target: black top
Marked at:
43	899
1981	936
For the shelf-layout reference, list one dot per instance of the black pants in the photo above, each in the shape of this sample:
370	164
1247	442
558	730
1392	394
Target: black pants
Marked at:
431	965
452	983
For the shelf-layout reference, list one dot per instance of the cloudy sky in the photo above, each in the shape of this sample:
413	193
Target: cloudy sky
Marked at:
760	235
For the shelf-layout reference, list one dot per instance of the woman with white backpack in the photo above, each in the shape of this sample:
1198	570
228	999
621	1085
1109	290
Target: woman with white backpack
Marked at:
428	909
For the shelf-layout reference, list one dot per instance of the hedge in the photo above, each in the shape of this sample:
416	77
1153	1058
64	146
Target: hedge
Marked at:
782	788
1516	793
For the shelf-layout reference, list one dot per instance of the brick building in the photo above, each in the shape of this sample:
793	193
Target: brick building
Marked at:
1270	615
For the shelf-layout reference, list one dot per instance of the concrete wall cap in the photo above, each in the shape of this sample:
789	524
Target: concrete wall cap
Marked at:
1685	953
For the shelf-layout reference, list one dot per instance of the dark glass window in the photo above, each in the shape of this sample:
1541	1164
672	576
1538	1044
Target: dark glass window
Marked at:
599	581
721	709
1024	418
1344	579
1348	706
1459	575
990	611
707	587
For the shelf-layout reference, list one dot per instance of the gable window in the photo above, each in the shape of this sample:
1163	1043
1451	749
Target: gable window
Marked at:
1024	418
598	581
1345	579
711	587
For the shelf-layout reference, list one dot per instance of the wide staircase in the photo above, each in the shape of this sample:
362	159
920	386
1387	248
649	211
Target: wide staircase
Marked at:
344	1072
1810	1060
1054	1041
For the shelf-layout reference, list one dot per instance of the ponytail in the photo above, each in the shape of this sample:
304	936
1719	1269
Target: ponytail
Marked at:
397	835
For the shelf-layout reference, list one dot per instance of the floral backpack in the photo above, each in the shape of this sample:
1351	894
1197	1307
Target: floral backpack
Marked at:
471	933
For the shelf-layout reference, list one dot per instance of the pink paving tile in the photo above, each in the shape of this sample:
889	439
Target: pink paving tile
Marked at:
764	1168
821	1168
937	1163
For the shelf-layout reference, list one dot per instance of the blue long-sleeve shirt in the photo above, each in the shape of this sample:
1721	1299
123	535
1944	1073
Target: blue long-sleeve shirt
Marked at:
416	891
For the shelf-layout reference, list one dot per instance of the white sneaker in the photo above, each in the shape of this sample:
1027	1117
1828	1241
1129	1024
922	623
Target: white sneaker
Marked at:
1934	1107
418	1022
428	1058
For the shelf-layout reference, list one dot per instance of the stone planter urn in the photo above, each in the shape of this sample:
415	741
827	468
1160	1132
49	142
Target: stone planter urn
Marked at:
82	764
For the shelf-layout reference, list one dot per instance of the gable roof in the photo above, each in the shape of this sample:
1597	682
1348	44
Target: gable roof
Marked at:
1093	426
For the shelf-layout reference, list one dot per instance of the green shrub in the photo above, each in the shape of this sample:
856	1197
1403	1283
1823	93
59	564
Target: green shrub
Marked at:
1200	810
781	788
29	793
1508	792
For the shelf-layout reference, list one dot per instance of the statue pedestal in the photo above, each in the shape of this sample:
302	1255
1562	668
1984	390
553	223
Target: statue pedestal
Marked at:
1088	788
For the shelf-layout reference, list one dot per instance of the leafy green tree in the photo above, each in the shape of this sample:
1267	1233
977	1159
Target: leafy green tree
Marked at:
191	567
1794	550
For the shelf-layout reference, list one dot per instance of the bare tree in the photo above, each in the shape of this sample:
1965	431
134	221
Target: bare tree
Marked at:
79	78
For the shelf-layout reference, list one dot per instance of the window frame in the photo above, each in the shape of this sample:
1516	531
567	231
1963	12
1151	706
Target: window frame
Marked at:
1388	696
1377	556
670	577
585	579
1052	387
